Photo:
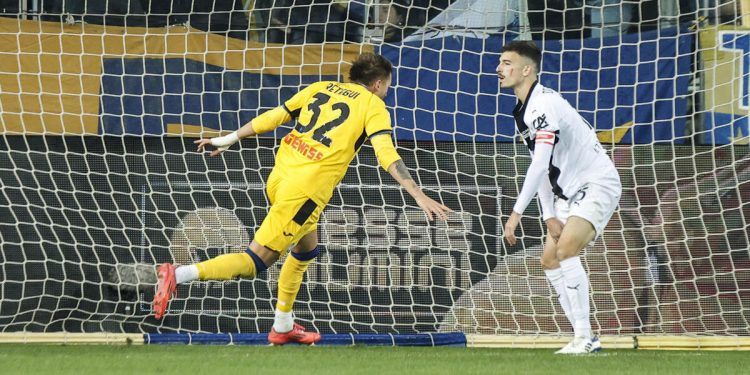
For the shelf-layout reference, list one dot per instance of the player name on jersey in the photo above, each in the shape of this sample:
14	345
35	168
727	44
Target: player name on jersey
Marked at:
338	90
303	148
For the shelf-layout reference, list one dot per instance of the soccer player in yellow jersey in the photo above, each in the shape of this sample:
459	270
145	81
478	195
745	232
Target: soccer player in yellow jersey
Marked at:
333	120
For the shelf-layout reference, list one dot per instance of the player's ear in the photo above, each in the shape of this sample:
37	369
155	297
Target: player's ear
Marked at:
527	70
375	85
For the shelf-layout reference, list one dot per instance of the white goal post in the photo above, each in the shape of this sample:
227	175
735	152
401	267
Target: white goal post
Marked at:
100	182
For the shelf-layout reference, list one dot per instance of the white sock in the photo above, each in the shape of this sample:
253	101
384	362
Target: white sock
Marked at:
283	321
185	274
557	280
577	284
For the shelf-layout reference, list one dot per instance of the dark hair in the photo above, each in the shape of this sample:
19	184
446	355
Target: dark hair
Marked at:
369	67
526	48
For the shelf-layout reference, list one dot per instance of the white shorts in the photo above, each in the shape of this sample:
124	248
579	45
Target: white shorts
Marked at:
593	202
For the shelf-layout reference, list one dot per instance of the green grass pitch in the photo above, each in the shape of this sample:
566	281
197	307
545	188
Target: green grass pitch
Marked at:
200	360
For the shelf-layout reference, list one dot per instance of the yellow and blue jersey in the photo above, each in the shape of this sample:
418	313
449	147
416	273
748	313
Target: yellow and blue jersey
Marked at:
333	120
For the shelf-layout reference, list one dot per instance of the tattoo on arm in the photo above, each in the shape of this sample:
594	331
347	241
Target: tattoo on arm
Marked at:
402	171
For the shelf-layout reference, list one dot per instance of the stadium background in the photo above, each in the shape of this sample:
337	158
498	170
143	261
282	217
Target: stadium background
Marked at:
90	181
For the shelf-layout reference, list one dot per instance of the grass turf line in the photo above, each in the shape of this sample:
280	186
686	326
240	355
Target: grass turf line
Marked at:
182	359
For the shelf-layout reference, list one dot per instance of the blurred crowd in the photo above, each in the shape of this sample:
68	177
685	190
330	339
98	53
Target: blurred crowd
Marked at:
318	21
309	21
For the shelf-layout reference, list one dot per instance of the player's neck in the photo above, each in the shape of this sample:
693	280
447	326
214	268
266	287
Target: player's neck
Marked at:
522	89
370	89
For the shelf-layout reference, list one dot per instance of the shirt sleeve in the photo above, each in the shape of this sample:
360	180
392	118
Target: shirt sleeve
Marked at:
377	120
384	150
270	120
537	171
546	199
294	105
543	116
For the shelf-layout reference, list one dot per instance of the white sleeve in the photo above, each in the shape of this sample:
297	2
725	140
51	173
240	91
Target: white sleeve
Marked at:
546	199
537	171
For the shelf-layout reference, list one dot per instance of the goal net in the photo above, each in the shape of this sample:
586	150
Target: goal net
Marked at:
100	180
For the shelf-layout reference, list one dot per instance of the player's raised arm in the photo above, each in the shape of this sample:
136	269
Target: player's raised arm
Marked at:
267	121
391	161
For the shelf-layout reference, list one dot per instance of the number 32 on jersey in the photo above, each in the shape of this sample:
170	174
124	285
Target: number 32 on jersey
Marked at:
320	132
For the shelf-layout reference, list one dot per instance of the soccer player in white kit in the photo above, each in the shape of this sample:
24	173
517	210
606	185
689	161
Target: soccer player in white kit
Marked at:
577	183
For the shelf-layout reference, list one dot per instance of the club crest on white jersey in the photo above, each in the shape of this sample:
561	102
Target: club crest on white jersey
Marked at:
577	157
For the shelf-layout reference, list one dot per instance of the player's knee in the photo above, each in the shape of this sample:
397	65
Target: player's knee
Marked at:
549	263
307	243
305	256
262	256
260	265
567	250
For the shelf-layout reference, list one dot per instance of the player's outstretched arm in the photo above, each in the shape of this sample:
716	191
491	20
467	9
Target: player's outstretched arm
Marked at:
221	143
391	162
267	121
534	176
432	208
